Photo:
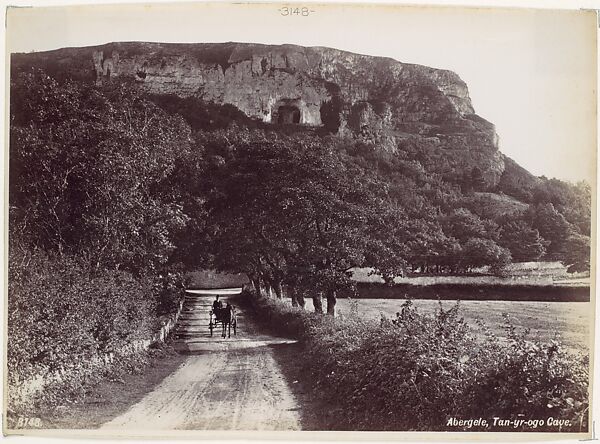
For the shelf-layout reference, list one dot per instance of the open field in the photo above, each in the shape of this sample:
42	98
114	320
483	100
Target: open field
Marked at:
518	274
571	321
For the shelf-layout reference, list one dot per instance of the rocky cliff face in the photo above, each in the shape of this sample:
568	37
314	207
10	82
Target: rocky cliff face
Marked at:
376	99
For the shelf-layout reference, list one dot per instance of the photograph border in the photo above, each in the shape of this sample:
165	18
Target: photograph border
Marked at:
320	435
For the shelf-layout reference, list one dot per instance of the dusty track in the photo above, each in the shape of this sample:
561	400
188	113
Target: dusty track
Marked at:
224	384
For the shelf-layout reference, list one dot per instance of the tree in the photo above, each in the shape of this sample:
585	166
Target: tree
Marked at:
573	201
296	209
94	218
524	242
577	256
552	226
577	209
87	174
480	252
463	225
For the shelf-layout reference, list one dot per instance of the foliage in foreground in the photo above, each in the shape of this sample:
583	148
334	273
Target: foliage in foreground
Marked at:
426	370
63	321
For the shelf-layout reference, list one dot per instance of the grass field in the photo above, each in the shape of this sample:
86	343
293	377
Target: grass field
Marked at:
571	321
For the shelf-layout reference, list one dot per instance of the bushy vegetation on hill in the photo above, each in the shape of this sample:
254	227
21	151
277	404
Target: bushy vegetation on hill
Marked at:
424	371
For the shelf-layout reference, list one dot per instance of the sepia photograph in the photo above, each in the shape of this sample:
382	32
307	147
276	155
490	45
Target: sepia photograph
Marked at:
286	217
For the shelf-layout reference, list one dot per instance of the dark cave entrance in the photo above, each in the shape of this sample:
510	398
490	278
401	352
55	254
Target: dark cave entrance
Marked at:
288	114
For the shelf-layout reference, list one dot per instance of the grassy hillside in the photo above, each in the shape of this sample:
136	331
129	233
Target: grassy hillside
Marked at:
494	205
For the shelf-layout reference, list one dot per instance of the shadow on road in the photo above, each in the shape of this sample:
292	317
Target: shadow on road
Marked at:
314	415
288	355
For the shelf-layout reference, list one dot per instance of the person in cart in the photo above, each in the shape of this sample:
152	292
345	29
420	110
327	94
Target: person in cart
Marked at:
217	306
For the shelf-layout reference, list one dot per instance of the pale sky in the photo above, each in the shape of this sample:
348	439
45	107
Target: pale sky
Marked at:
530	72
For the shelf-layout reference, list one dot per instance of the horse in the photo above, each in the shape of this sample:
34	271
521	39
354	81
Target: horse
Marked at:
227	319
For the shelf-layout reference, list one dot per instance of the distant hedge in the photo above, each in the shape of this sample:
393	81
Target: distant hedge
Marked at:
429	372
478	292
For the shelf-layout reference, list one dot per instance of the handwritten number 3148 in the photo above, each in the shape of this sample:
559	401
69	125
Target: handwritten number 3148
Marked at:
304	11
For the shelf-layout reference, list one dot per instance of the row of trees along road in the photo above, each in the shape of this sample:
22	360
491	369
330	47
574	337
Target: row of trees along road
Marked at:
296	210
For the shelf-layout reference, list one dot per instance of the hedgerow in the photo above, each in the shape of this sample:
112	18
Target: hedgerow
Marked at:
423	371
69	326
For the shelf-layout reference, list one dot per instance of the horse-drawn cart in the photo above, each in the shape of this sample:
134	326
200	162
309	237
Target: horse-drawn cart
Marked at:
224	317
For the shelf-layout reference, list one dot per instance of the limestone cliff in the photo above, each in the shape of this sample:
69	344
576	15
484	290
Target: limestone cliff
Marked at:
376	99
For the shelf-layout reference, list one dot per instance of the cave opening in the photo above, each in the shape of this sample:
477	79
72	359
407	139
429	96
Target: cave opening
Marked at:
288	114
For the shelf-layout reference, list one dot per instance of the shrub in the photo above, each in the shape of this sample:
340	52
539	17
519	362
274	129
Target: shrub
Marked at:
64	319
535	380
169	289
279	317
422	370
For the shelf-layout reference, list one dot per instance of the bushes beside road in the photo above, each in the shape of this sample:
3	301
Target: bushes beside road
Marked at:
429	370
96	212
69	326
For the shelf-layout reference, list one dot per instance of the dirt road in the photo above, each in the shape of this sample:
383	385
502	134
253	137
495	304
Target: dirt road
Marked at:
224	384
